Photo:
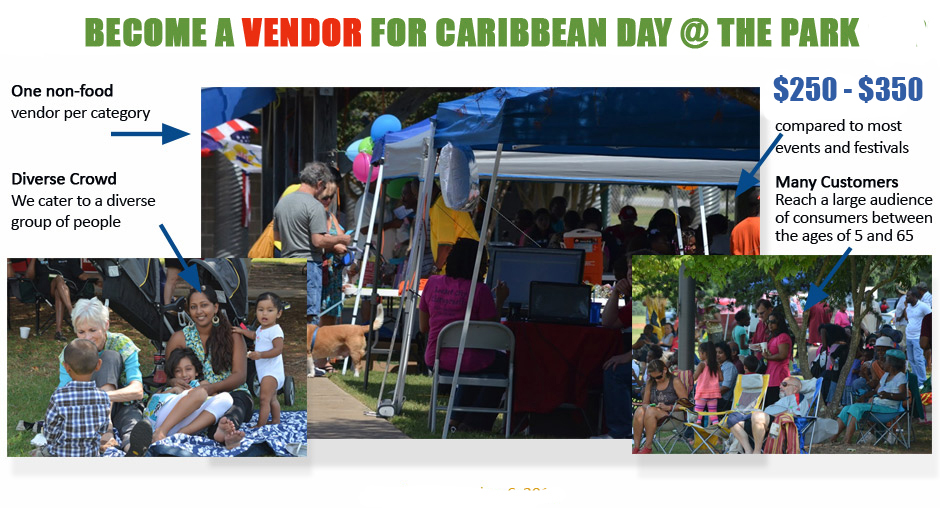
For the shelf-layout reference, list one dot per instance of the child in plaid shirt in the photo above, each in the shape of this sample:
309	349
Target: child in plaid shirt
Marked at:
79	413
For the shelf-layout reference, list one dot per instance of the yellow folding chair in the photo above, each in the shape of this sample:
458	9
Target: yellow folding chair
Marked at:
749	393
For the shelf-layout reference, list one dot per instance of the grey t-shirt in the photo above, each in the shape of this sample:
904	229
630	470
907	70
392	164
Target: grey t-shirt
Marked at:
297	216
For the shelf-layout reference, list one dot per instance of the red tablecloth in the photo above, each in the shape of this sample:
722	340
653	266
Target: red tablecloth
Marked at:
555	364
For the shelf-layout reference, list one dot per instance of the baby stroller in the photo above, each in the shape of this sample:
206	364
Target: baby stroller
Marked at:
133	288
228	277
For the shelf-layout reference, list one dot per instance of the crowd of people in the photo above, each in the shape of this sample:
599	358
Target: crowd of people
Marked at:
876	383
666	233
306	228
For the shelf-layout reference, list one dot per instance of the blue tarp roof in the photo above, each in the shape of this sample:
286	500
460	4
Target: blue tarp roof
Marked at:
688	123
221	104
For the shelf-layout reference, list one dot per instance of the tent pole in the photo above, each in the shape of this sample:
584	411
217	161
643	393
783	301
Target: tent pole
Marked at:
701	214
473	290
365	252
675	205
413	276
376	270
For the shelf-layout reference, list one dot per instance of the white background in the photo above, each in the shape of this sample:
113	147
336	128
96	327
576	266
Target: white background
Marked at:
42	45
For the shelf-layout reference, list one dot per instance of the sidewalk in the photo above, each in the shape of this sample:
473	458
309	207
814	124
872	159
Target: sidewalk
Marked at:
334	414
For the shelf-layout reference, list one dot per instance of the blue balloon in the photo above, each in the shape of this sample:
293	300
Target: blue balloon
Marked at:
383	125
353	150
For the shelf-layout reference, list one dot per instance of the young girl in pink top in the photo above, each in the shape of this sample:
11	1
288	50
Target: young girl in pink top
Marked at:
708	380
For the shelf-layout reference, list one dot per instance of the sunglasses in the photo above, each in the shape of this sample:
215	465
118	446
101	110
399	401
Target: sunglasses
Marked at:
783	384
328	198
772	321
657	378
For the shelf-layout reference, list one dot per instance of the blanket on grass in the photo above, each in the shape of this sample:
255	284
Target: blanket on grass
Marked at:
286	439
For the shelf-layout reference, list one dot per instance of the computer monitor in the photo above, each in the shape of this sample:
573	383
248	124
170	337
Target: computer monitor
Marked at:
518	268
553	302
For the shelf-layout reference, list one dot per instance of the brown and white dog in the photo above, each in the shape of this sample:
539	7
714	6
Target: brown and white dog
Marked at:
343	340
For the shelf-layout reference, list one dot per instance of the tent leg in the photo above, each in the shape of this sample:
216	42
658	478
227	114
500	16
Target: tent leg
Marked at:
675	205
413	275
365	257
473	288
701	213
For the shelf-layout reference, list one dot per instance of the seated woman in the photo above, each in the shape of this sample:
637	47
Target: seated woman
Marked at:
225	362
119	374
188	411
887	398
660	397
444	301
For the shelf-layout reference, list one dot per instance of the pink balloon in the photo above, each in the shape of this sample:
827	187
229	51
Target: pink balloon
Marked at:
361	168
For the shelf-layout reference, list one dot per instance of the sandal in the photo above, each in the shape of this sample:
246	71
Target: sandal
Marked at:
59	336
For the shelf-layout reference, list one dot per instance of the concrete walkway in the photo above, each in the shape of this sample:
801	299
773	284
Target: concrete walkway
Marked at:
334	414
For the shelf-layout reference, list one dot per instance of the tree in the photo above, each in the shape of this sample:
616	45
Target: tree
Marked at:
787	276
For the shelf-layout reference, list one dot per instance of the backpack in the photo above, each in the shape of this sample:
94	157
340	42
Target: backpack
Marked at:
818	367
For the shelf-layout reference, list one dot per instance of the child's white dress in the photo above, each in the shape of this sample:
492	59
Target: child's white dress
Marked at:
274	367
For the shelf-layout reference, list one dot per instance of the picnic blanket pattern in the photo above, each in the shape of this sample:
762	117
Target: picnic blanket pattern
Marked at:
286	439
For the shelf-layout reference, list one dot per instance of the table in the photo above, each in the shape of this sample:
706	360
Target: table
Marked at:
557	364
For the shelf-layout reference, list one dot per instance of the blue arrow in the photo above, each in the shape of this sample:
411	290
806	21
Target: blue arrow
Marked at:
748	180
167	134
190	274
816	294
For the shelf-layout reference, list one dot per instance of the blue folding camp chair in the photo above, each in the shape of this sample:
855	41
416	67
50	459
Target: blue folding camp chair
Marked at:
894	427
804	423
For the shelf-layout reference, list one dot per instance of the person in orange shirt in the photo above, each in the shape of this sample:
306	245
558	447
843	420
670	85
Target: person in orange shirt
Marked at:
745	237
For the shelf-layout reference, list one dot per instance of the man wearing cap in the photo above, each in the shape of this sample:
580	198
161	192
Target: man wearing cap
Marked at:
617	238
914	311
871	372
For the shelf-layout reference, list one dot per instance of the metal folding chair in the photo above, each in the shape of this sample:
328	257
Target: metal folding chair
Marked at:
480	335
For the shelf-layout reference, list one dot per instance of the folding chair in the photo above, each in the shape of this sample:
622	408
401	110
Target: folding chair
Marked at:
480	335
895	426
809	388
25	291
749	393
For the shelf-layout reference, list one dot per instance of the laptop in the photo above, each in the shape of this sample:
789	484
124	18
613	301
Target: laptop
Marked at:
560	303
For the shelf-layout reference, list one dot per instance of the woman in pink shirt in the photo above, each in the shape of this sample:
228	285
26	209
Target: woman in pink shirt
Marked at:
443	301
841	318
779	354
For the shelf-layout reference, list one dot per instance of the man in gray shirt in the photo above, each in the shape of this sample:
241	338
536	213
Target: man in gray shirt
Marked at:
300	224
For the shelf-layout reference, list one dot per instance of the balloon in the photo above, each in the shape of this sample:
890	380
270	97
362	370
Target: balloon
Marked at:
361	168
393	188
366	145
353	150
383	125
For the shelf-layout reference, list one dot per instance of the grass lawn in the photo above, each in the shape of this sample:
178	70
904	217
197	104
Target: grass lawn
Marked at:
413	420
33	369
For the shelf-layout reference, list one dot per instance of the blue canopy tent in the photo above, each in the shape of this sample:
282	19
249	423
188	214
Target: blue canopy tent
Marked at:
644	122
599	135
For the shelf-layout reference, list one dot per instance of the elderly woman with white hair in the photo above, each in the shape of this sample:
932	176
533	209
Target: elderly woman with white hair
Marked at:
119	374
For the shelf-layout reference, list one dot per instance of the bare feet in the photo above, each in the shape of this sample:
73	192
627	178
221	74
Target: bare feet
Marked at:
231	436
158	435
